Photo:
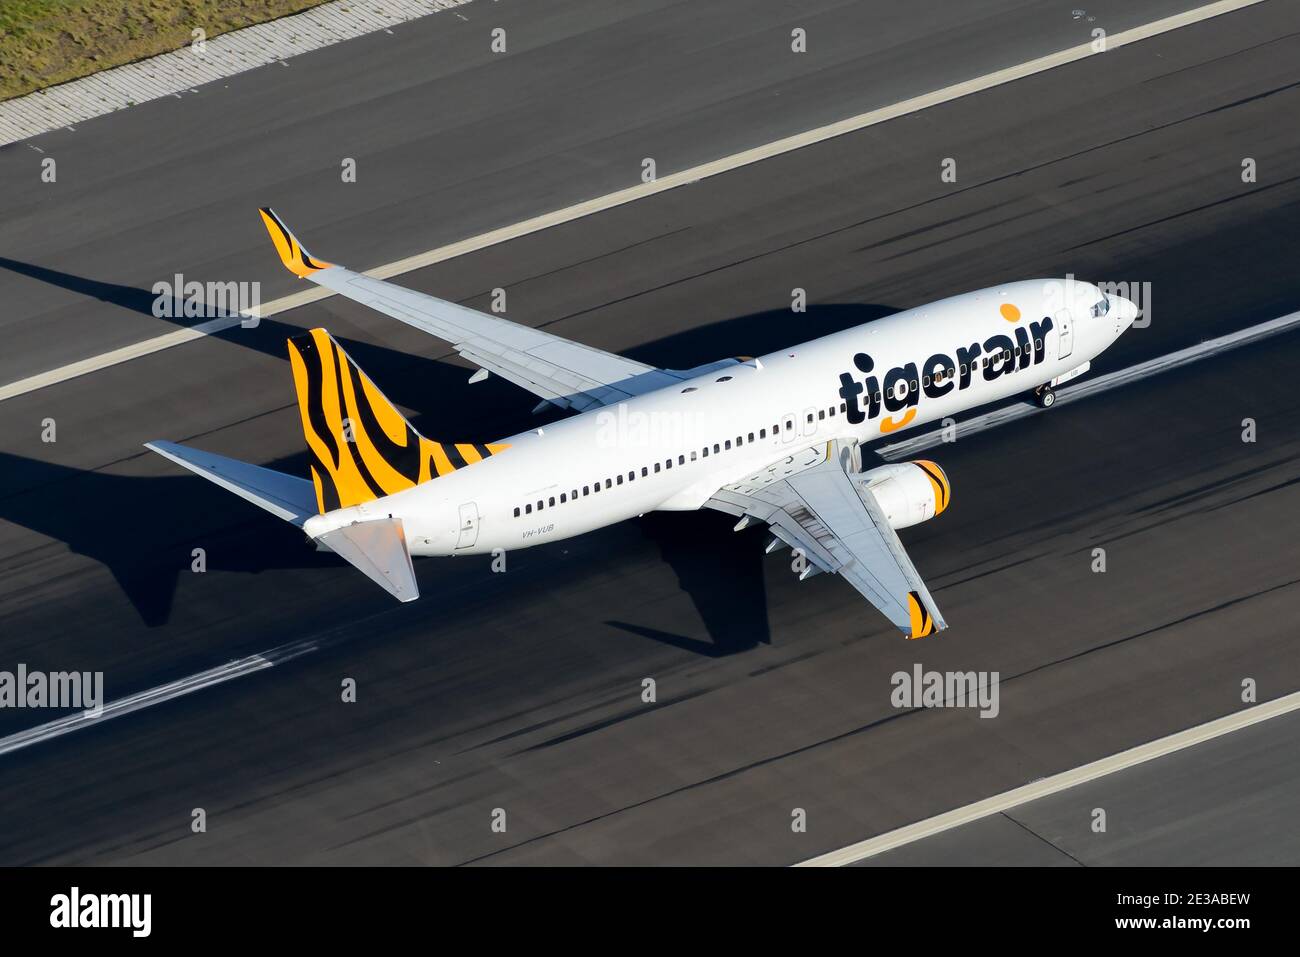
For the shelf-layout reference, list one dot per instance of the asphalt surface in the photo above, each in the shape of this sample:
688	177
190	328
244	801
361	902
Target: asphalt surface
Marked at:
1198	807
522	691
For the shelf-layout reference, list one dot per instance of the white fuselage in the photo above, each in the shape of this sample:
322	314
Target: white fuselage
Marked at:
675	447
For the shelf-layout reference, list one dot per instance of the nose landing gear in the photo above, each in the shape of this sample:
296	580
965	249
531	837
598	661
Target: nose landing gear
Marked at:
1044	396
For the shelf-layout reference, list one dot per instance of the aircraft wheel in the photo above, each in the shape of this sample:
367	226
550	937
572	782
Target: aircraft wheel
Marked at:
1046	397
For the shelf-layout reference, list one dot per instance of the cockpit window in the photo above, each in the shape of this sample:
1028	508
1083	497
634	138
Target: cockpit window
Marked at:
1101	307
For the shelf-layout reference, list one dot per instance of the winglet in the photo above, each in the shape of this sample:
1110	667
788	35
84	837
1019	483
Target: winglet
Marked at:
923	623
296	259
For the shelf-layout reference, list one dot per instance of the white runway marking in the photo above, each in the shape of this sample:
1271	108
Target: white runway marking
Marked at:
1057	782
642	190
1234	340
147	699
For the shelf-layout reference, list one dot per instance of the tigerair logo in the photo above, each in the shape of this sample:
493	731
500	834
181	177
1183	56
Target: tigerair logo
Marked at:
896	397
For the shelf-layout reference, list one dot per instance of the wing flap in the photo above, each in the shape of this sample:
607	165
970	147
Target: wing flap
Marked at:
840	528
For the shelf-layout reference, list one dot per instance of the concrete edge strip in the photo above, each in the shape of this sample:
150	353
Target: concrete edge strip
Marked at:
170	74
639	191
1057	782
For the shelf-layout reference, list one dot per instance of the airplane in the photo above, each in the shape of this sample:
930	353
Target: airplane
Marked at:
779	439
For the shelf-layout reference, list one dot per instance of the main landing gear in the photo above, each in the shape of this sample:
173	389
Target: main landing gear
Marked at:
1044	396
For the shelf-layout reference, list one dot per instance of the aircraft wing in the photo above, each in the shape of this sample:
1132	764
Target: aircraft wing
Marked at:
810	503
566	374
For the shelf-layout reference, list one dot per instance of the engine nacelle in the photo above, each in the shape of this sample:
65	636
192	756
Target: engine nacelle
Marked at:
909	493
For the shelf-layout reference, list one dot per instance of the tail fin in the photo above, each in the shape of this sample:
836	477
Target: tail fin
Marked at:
361	447
296	259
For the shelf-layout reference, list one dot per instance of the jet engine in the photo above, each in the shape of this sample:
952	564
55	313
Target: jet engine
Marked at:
909	493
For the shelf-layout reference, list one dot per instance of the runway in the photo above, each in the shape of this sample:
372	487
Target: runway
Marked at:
1165	764
522	691
1195	809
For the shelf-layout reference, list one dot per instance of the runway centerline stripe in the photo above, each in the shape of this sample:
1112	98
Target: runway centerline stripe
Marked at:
1057	783
642	190
154	696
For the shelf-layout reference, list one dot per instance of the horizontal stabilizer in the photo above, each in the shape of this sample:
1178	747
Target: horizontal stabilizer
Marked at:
379	550
284	496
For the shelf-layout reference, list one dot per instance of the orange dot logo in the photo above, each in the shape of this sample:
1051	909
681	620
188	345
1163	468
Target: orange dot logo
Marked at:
1010	313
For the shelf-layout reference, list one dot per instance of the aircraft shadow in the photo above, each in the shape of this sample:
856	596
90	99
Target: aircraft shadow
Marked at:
99	516
721	571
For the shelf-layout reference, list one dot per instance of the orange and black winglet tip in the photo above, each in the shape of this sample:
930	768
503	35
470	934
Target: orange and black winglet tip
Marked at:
296	259
922	621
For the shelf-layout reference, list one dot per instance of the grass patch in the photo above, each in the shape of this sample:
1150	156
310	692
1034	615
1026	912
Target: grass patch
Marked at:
44	42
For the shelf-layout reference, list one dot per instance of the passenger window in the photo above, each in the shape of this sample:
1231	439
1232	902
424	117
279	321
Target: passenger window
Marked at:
810	416
645	471
694	456
727	444
573	494
563	498
631	475
762	433
821	415
656	467
963	368
926	382
844	407
608	483
552	502
751	436
716	448
706	451
528	510
681	459
912	387
540	506
1038	343
620	478
586	490
516	512
832	411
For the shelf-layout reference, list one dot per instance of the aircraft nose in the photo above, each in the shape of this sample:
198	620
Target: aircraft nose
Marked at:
1126	312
